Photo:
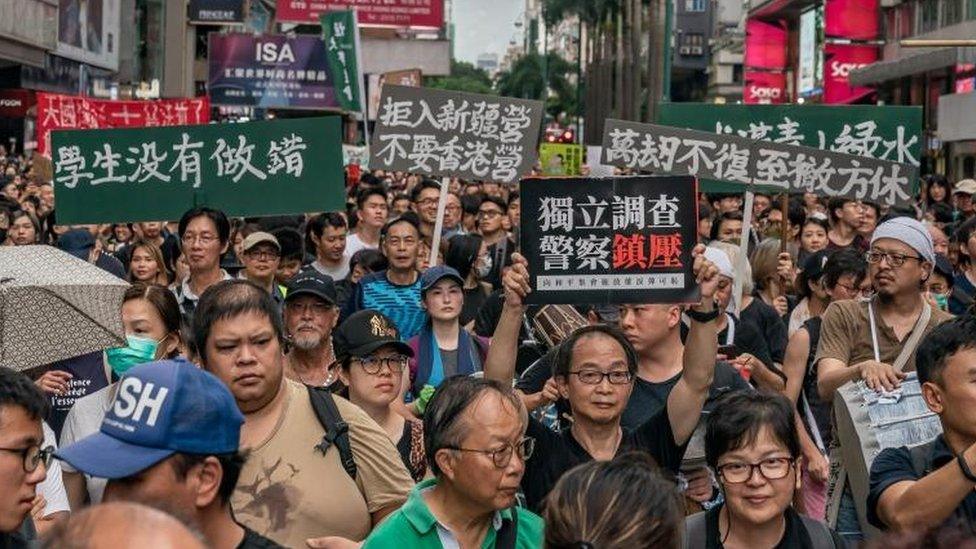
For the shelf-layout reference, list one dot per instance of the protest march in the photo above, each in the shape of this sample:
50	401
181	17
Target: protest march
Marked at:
311	305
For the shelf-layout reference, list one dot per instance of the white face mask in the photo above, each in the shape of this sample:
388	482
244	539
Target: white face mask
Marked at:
484	268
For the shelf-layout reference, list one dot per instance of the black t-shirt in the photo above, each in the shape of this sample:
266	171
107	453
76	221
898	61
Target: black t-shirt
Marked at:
557	453
649	398
770	325
795	534
254	540
746	337
474	298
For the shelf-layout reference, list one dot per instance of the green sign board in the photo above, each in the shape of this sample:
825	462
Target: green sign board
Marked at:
561	158
156	174
884	133
341	37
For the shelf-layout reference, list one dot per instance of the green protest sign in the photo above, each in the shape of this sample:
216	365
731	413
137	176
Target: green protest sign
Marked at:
153	174
884	133
561	158
340	33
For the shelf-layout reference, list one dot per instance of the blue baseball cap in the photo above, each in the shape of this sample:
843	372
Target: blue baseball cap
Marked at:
160	408
437	273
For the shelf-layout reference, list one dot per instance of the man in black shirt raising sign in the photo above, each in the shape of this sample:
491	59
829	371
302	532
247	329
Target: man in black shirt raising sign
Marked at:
595	369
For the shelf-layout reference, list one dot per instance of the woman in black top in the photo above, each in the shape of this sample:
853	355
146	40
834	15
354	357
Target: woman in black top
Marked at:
468	255
751	443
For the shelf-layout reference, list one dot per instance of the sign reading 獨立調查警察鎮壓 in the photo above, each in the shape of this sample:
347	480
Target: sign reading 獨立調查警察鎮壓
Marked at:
444	133
153	174
610	240
766	165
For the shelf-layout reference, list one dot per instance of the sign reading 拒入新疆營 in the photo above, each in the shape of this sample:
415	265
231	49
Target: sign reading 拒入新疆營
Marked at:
437	132
892	133
275	167
769	166
610	240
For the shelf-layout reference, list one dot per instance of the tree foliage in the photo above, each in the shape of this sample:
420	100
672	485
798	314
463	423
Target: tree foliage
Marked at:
526	80
464	77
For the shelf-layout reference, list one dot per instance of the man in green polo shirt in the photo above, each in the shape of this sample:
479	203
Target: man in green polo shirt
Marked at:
474	439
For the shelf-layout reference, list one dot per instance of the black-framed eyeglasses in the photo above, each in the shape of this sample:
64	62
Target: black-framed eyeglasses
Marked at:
489	214
596	377
773	468
33	456
263	255
501	457
895	260
374	364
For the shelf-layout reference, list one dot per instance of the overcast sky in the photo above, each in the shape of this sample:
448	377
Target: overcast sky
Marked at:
484	26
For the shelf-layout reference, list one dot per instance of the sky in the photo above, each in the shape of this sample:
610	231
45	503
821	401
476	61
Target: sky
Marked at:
484	26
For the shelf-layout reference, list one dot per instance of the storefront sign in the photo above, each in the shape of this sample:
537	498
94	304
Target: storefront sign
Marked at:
439	132
270	71
284	166
774	167
57	112
396	13
764	88
610	240
210	12
841	59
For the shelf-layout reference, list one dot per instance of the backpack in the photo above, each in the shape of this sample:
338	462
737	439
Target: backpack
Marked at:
336	429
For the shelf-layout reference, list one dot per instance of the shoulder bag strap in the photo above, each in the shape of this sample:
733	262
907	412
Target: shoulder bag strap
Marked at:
336	429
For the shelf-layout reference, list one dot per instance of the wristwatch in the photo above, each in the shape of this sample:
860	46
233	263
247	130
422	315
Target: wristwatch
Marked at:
966	471
703	317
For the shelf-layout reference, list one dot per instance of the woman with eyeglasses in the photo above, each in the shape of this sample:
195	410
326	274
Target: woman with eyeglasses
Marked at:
826	277
751	443
373	372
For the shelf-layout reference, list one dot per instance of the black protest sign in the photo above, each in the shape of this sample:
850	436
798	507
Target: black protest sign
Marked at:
770	166
610	240
445	133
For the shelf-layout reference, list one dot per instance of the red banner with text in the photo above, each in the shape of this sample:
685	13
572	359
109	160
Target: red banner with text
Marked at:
61	112
764	88
394	13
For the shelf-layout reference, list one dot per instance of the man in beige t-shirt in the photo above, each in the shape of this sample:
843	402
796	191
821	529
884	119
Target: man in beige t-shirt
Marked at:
288	491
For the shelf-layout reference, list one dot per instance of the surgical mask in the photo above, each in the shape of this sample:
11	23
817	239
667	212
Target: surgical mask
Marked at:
942	301
138	350
485	268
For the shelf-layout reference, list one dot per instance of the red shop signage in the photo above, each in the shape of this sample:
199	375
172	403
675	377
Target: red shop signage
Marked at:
764	88
15	103
394	13
839	61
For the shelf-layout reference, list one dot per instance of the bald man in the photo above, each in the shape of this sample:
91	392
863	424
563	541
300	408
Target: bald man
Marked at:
121	525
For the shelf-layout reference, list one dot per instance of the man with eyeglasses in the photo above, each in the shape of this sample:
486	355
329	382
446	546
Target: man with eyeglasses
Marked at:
204	236
261	257
475	444
294	488
395	291
310	316
491	226
424	198
23	461
452	217
594	369
863	339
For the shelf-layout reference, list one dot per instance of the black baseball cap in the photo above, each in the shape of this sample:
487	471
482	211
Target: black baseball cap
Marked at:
312	282
365	332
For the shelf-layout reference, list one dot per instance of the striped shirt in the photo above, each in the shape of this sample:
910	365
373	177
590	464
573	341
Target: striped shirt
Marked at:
400	303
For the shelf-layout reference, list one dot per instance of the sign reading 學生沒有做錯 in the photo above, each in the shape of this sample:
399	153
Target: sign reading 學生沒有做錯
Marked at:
610	240
772	167
153	174
437	132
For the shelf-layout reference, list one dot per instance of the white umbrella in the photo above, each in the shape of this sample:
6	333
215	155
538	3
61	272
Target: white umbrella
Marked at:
55	306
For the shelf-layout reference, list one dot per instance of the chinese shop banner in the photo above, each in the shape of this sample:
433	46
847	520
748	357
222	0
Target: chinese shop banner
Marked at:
769	166
610	240
444	133
270	71
393	13
61	112
284	166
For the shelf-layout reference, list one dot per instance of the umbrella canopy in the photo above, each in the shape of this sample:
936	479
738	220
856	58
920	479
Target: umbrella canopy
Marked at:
55	306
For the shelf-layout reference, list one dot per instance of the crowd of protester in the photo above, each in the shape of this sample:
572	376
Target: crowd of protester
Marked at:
329	380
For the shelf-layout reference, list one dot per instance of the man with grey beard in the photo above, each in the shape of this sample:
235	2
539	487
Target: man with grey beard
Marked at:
310	314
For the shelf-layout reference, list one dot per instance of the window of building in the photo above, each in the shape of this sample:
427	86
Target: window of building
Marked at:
953	11
928	19
695	5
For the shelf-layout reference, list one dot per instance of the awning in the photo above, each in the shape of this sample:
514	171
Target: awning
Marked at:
917	63
957	117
